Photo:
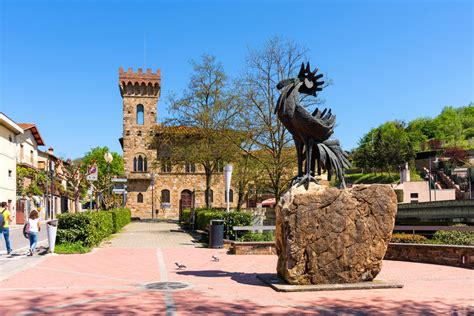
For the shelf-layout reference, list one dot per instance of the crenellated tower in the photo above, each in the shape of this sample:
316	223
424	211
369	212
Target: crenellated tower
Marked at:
140	92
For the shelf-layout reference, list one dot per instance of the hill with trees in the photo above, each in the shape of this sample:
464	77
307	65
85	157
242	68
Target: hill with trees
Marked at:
392	143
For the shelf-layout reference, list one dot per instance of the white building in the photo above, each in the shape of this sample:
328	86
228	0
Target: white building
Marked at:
27	145
9	132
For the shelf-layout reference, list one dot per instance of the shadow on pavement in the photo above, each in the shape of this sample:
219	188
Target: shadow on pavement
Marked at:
239	277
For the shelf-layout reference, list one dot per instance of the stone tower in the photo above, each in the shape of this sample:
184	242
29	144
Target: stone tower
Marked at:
140	92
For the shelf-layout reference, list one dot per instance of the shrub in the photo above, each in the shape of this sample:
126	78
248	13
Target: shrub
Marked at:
250	236
408	238
120	218
186	215
454	237
204	217
231	219
67	248
235	219
89	228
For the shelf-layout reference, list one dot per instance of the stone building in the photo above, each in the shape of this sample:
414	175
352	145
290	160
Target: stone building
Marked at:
156	188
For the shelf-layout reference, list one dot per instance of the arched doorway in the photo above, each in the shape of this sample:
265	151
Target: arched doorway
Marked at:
186	200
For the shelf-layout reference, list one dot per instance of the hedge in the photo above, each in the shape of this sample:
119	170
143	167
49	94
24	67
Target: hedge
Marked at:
408	238
186	215
120	218
231	219
454	237
90	228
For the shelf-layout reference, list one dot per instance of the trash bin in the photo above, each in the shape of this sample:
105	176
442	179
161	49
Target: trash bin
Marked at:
51	229
216	238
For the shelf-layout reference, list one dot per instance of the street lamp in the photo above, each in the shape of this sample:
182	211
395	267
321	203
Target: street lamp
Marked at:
227	177
51	169
108	158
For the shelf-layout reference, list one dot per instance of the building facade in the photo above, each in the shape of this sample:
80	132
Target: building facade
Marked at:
9	132
157	189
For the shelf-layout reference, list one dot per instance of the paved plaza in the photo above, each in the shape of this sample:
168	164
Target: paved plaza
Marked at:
114	279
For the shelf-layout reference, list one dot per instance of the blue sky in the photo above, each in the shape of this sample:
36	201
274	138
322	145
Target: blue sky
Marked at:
388	59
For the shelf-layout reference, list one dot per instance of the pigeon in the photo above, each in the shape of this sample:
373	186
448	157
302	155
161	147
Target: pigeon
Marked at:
214	258
180	265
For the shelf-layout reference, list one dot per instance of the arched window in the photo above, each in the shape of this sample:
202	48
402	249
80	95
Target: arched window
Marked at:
140	164
165	196
140	198
231	196
140	115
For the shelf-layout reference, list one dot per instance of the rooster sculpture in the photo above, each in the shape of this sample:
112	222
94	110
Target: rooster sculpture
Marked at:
310	131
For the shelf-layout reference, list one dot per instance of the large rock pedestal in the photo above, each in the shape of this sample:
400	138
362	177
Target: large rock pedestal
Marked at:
326	235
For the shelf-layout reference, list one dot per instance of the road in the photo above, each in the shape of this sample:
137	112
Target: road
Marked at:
19	260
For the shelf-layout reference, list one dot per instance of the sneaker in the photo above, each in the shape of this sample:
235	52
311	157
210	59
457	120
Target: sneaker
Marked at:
9	252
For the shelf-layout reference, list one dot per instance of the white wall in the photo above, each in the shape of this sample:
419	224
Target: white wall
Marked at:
419	191
29	145
8	167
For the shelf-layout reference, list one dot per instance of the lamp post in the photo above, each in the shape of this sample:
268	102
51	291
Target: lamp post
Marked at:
108	158
51	169
227	177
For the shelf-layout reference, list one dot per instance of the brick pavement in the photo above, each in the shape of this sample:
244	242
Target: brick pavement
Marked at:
111	281
163	234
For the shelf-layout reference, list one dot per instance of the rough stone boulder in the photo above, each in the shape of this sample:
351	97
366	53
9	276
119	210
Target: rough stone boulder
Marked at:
327	236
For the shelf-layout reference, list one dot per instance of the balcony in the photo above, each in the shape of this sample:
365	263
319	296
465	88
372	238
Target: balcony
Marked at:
139	176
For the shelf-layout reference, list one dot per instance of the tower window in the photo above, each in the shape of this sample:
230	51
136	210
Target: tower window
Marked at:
140	115
140	198
140	164
165	196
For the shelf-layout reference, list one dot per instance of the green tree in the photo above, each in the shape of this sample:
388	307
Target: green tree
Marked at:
449	126
384	148
103	184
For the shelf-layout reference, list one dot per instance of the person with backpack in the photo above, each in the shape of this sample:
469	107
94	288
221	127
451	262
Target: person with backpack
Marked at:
34	227
5	219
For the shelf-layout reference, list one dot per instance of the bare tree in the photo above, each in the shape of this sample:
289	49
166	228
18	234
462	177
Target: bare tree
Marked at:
272	144
202	116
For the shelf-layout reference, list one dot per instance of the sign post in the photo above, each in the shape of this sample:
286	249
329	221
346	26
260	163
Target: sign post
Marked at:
92	175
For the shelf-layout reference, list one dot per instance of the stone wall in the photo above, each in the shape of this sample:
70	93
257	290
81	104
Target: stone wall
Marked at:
450	255
253	248
457	256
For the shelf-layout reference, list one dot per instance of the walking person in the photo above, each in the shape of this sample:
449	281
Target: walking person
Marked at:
34	228
5	220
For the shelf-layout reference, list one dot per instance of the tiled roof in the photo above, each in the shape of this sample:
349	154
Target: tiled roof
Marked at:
34	131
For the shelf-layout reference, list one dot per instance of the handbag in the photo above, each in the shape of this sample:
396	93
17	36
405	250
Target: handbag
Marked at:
26	230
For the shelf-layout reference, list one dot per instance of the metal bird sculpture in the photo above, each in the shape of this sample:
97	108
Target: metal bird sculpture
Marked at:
310	131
